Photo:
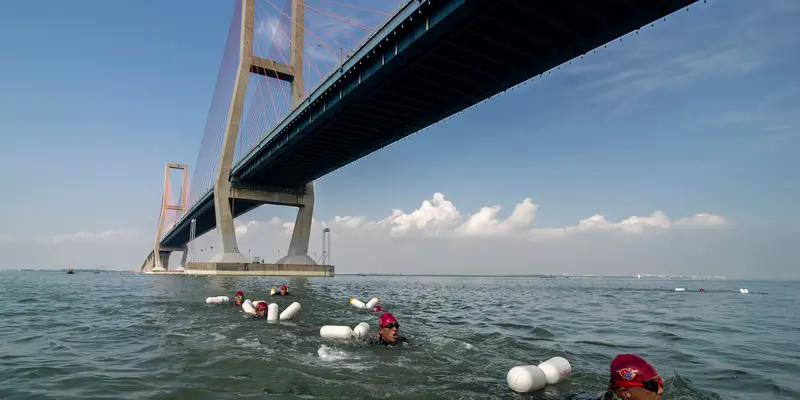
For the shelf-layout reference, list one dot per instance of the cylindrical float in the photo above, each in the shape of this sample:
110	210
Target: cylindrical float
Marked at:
372	303
556	369
272	291
247	306
680	289
336	332
526	378
290	311
357	303
361	330
272	312
217	299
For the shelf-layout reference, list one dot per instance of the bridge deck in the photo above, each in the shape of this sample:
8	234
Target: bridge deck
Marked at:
433	60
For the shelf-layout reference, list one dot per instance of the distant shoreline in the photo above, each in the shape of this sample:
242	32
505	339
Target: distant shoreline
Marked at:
540	276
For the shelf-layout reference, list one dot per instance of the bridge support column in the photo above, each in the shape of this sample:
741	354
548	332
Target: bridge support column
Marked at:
162	262
184	256
224	193
301	235
229	248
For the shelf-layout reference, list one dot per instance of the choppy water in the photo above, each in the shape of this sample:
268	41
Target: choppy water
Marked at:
109	336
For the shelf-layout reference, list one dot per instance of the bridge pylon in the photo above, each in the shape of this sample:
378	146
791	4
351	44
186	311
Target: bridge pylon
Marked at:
158	260
225	191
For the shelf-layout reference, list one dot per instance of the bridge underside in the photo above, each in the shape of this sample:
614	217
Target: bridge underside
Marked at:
205	220
472	53
441	59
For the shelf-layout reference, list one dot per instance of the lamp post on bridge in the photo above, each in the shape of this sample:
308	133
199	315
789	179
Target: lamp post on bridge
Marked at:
192	233
326	246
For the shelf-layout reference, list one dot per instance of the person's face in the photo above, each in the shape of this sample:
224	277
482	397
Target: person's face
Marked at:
388	332
283	290
652	390
238	300
261	312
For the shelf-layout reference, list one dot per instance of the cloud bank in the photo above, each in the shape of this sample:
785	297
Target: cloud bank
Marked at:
438	238
440	218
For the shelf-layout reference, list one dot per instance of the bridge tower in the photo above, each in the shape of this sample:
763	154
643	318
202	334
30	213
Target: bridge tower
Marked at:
158	260
225	191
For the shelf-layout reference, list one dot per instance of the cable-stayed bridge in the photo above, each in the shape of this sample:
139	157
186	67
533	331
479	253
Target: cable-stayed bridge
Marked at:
300	94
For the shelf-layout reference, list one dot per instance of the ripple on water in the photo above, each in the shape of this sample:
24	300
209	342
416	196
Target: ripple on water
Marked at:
465	332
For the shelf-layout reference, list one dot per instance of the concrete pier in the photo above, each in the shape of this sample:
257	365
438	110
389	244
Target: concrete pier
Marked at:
163	272
257	269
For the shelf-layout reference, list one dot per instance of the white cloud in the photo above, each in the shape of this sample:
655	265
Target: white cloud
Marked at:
437	237
439	217
107	235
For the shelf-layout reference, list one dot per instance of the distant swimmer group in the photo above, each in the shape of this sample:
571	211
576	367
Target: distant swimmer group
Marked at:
630	376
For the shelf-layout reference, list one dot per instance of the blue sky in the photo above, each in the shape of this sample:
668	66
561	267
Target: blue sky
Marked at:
696	114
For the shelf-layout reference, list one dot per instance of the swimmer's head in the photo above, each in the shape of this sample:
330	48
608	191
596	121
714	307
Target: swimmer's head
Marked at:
377	309
284	289
633	378
388	327
238	298
261	309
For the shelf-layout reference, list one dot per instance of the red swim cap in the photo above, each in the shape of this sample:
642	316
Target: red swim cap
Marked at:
261	306
629	370
386	318
377	308
283	287
239	293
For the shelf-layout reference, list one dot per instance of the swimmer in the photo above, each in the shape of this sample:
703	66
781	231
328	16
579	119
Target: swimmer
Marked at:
238	299
633	378
377	309
261	310
387	332
283	292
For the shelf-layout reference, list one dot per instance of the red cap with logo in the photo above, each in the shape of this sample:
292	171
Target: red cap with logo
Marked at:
377	309
261	305
386	318
239	293
629	370
283	287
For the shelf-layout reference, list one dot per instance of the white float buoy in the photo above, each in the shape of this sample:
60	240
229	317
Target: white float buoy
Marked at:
247	306
744	291
526	378
555	369
357	303
372	303
272	291
217	299
290	311
336	332
272	312
361	330
680	289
